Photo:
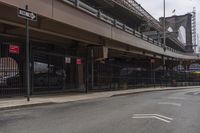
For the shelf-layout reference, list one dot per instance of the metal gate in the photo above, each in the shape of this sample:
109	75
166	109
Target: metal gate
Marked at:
11	69
118	74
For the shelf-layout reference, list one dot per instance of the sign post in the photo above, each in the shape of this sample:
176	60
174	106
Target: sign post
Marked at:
28	15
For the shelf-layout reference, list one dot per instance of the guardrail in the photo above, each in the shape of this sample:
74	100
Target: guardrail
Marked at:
139	10
116	23
88	9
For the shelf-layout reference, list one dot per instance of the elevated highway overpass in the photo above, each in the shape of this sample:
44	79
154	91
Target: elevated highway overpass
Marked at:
86	24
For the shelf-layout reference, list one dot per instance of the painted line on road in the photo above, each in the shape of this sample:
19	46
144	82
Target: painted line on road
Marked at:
162	116
169	103
177	98
153	116
196	93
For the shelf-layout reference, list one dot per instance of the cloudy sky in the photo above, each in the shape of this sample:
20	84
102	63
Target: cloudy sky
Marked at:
155	7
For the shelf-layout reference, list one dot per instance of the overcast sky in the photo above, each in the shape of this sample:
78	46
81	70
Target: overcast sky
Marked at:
155	8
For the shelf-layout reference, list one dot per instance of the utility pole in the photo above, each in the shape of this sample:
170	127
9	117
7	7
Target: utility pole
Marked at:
164	26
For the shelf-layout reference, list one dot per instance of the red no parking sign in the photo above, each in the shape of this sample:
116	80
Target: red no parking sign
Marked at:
78	61
14	49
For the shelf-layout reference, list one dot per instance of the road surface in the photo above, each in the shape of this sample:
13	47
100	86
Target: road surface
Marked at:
153	112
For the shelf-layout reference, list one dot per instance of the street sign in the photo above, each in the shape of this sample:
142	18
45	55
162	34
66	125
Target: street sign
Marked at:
14	49
67	60
27	14
78	61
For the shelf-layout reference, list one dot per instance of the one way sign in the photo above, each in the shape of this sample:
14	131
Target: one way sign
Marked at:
27	14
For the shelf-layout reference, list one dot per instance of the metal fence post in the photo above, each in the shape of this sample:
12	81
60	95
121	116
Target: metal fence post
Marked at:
92	68
99	13
77	3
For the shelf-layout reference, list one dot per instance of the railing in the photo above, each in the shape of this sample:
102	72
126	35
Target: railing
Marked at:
106	18
119	24
118	75
139	10
88	9
97	13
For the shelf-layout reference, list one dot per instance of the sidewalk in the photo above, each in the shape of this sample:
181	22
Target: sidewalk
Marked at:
12	103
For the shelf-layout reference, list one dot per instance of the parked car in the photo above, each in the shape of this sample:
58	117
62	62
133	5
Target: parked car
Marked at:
45	79
9	80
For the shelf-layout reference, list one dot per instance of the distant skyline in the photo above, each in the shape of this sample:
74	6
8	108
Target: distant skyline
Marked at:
181	7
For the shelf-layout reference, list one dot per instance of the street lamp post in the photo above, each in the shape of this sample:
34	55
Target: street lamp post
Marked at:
164	37
164	26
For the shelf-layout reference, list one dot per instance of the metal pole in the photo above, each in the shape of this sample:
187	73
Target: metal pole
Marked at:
151	73
27	59
164	26
77	3
154	75
164	75
92	68
87	71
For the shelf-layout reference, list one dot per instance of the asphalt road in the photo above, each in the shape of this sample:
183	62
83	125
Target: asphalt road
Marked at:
152	112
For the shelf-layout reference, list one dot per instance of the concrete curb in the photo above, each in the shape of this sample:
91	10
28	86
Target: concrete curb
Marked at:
26	106
106	96
167	89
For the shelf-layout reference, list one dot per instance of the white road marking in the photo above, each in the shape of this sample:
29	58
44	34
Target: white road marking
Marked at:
196	93
177	98
169	103
153	116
